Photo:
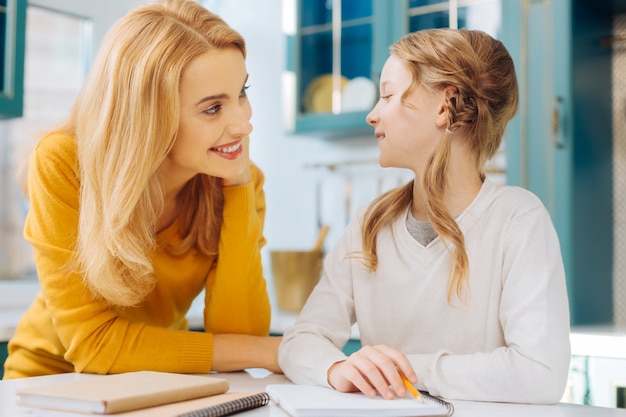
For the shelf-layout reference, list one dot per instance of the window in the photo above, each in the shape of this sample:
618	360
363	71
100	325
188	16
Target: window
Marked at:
57	56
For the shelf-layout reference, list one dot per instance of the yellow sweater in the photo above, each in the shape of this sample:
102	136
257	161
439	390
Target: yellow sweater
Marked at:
67	330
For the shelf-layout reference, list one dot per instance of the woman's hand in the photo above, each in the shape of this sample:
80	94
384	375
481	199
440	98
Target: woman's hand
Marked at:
243	175
373	369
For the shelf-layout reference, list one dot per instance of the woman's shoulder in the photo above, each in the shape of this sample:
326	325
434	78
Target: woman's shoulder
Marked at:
58	145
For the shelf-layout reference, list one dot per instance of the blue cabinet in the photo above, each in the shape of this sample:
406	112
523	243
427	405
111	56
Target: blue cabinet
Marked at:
560	143
337	48
12	39
331	79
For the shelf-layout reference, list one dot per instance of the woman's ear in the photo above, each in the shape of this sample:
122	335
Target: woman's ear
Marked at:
449	95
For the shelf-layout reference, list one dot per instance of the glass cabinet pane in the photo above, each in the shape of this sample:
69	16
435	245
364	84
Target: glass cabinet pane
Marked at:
471	14
335	52
427	14
429	20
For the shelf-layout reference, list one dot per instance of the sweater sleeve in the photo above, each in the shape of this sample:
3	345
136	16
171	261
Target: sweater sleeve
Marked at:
236	294
85	331
311	345
533	364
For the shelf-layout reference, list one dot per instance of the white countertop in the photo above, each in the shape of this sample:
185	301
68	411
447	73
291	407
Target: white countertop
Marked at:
256	380
599	341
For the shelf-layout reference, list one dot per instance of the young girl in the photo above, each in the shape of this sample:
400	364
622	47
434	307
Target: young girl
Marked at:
454	281
142	199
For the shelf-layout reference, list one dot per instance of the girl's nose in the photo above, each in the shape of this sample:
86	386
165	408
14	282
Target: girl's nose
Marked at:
372	117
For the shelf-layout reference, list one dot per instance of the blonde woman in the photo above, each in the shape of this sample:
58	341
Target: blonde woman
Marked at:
454	281
143	198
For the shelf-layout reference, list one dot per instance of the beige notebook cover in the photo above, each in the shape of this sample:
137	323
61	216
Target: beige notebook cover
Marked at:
110	394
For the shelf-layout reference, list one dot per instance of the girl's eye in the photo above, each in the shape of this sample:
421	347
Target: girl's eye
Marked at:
213	110
385	97
244	91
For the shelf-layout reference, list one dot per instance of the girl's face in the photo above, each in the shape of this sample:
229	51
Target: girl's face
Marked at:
214	128
408	132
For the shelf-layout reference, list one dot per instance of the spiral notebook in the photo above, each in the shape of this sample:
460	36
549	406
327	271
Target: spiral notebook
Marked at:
314	401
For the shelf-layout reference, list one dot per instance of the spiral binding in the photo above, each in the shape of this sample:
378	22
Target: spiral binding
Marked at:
231	407
448	406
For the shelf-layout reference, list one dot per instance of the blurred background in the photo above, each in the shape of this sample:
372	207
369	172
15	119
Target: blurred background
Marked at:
314	67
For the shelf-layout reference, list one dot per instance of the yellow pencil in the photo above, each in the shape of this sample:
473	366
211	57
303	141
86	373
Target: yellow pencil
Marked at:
407	384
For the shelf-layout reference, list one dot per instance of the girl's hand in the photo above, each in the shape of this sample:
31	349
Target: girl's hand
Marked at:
372	370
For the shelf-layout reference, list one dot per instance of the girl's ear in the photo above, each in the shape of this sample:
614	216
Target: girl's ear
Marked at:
449	94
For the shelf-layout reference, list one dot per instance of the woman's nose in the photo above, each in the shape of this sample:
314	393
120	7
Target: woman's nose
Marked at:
240	122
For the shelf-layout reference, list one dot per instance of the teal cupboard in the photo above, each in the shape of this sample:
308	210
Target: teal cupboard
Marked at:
560	144
12	40
337	48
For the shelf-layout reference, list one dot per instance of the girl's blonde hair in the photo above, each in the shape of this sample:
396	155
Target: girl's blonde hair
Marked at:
483	75
125	121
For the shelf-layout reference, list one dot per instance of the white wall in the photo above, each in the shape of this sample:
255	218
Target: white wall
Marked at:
101	12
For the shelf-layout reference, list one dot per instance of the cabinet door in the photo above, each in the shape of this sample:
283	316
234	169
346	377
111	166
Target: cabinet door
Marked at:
12	38
464	14
551	153
330	82
337	49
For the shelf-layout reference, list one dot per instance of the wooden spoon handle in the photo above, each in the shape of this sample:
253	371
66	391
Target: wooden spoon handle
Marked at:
320	238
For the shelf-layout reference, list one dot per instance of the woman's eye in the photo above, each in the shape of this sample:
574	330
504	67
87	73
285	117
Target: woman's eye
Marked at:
213	109
244	91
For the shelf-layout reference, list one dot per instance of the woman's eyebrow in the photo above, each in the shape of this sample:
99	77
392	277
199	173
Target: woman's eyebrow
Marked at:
213	97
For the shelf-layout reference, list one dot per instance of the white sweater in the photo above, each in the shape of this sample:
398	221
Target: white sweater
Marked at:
509	343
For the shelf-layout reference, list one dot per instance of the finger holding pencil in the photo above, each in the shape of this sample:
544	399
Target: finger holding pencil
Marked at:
374	370
410	388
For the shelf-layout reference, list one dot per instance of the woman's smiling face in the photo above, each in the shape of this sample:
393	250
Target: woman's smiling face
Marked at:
214	126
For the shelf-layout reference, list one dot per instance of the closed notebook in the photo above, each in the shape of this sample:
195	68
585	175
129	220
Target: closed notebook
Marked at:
213	406
315	401
108	394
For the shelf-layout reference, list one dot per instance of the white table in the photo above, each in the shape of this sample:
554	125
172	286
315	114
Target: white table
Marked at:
255	380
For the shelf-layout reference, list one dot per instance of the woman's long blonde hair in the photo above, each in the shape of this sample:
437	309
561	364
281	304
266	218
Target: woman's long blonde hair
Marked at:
483	74
125	120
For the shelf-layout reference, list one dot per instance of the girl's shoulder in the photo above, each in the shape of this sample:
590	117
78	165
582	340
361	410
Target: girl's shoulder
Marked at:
512	197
